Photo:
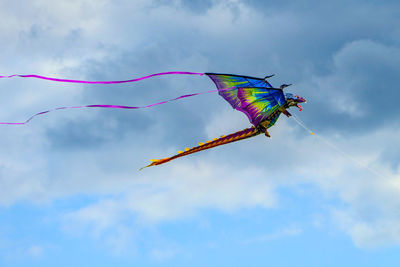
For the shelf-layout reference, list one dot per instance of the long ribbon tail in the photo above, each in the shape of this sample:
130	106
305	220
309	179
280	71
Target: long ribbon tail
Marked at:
109	106
246	133
100	82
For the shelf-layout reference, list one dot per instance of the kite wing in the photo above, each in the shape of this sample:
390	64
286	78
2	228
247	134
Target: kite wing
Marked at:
259	103
227	85
253	96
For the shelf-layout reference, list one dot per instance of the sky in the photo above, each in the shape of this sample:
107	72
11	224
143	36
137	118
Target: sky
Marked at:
70	190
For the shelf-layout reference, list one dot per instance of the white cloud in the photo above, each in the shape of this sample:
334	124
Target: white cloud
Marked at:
35	251
163	254
289	231
21	249
182	192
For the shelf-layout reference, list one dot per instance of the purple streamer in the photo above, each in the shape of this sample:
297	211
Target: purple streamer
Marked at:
100	82
113	106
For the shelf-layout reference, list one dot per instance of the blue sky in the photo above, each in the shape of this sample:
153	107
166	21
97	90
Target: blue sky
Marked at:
70	192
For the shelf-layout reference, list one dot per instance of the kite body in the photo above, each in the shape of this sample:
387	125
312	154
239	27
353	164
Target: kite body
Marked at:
255	97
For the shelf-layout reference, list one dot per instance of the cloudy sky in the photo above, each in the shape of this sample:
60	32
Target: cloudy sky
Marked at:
70	192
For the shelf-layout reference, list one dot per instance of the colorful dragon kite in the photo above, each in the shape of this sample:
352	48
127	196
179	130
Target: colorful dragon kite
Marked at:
255	97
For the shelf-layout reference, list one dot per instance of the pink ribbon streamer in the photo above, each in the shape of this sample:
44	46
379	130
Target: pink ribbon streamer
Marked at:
100	82
113	106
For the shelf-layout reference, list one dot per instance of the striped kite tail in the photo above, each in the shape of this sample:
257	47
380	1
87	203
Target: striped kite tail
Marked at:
240	135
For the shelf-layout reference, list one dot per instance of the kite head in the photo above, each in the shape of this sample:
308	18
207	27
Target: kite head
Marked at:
294	100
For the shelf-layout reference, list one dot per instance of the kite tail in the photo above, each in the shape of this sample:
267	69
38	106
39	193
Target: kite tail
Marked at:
110	106
240	135
100	82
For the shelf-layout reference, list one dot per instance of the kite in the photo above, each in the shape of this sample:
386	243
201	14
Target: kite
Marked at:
255	97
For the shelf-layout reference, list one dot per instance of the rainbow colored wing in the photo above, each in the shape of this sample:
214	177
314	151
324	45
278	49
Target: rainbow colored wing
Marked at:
259	103
253	96
232	82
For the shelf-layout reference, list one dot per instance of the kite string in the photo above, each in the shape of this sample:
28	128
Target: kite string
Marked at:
348	156
100	82
115	106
